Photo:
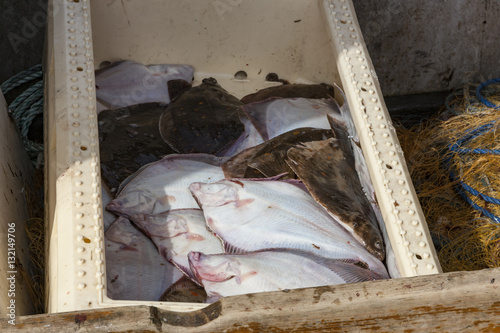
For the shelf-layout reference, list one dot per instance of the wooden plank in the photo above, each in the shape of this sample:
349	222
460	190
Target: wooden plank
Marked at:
458	301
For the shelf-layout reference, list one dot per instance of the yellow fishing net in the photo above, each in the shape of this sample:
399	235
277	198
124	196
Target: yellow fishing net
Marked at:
454	161
34	228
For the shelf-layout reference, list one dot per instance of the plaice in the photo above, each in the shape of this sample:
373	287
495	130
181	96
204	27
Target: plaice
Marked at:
163	185
126	82
234	274
250	215
134	269
327	168
268	159
203	119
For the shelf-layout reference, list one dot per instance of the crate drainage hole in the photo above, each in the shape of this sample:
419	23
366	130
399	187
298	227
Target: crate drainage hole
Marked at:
79	69
240	75
419	257
104	64
388	166
83	148
272	77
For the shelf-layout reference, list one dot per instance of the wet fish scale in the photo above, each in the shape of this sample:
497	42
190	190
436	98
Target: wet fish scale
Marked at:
327	168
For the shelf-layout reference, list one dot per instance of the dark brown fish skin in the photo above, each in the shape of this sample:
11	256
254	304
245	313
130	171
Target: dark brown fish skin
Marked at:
184	290
294	90
268	158
177	87
327	169
203	119
128	139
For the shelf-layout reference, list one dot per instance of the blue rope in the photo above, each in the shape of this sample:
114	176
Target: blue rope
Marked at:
472	135
463	187
481	98
26	107
28	75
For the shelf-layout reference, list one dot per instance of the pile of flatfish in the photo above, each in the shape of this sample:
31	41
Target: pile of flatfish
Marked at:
209	196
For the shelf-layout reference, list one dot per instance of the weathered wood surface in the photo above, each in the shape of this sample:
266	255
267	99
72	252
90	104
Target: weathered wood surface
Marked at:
451	302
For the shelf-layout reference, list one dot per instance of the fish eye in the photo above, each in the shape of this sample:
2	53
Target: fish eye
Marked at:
378	244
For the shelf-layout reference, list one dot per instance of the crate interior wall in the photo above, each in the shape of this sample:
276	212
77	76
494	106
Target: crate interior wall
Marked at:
303	41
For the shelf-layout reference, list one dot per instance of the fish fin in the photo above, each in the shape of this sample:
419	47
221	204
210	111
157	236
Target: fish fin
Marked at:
129	178
272	164
350	270
186	271
214	297
231	249
177	87
340	131
236	166
184	290
257	113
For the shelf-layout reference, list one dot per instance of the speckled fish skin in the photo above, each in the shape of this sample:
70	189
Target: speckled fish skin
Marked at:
368	188
276	116
135	270
163	185
126	82
235	274
203	119
327	168
177	232
251	215
294	90
269	157
129	139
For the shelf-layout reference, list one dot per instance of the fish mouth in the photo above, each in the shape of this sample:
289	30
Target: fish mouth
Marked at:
379	254
113	206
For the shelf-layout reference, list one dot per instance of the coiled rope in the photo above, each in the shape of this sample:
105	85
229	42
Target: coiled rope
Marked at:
26	107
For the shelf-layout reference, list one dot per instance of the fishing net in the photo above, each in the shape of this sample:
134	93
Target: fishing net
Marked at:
454	161
34	228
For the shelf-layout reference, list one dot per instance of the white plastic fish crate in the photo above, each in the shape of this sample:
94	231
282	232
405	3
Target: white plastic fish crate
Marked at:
303	41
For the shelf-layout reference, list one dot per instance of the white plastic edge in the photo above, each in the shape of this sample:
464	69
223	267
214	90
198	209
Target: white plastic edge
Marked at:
75	226
403	216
